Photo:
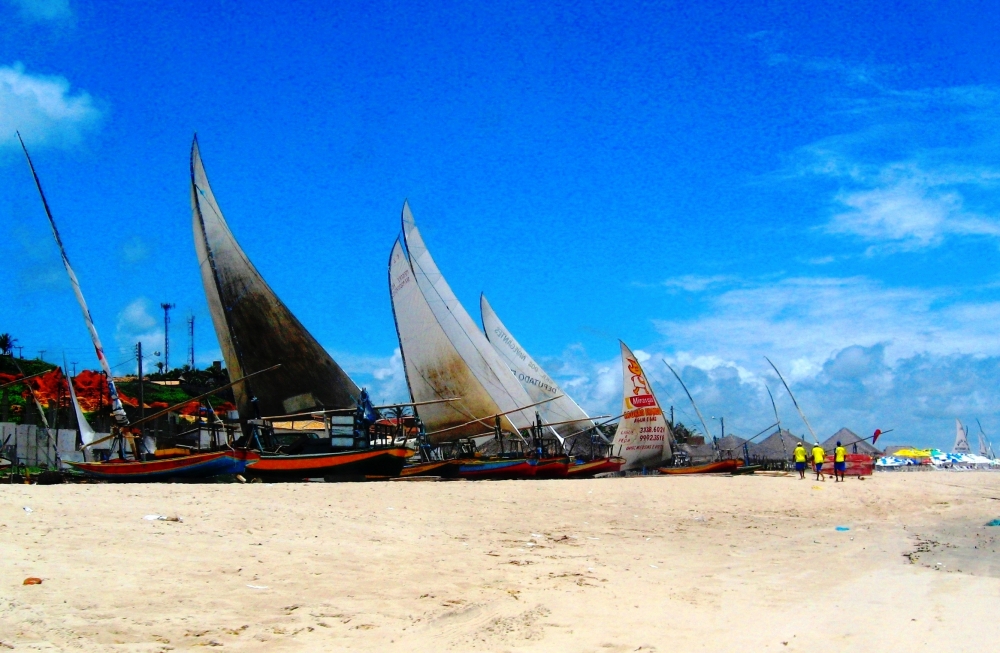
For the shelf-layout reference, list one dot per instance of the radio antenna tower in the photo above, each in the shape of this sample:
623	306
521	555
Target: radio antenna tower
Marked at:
191	337
166	334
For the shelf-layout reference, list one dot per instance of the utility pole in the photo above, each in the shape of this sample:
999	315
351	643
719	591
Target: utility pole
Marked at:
671	417
166	333
74	368
41	354
142	398
191	336
20	351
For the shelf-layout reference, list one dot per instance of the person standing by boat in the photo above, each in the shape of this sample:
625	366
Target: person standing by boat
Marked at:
818	456
839	462
800	460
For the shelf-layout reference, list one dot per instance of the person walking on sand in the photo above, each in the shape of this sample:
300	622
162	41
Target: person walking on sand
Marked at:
839	462
818	456
800	461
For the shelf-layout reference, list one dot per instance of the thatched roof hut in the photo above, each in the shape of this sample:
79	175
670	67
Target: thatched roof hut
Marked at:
772	448
731	446
849	438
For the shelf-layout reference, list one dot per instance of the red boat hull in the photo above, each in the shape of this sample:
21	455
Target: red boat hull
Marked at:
550	467
198	465
334	466
720	467
594	467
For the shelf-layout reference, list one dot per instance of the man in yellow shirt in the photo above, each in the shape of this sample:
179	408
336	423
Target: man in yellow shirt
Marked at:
800	460
839	462
818	456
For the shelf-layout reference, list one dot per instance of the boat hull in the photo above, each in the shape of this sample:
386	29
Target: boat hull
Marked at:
550	467
442	468
198	465
594	467
498	469
333	466
719	467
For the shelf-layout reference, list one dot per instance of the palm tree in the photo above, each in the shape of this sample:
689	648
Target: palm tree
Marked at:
7	344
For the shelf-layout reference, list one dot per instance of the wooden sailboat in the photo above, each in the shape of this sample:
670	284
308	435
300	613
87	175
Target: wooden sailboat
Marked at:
561	411
255	329
444	352
642	437
961	438
144	465
446	355
716	467
571	423
194	465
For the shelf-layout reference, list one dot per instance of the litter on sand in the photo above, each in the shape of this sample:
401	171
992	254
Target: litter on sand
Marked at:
995	522
161	518
32	581
843	528
257	587
27	509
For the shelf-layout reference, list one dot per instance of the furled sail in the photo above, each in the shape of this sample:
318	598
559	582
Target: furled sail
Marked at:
472	354
562	411
255	329
87	433
961	439
641	437
116	405
434	368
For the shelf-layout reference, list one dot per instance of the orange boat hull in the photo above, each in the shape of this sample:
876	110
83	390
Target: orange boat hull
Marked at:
344	465
720	467
443	468
594	467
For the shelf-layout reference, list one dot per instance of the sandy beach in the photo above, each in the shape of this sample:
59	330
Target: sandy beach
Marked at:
638	564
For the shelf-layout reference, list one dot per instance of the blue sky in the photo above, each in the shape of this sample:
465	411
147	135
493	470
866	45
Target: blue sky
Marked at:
710	183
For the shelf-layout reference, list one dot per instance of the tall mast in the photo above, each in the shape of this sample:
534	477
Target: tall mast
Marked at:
116	405
688	392
801	414
781	437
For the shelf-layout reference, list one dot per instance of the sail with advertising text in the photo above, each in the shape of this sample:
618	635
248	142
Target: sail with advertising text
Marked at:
961	439
254	327
116	405
562	412
641	437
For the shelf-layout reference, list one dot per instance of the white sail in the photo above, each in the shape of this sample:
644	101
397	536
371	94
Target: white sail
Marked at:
982	446
468	342
641	437
961	439
116	405
562	411
87	433
434	368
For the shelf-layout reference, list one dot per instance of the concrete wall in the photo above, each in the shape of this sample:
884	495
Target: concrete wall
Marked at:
33	445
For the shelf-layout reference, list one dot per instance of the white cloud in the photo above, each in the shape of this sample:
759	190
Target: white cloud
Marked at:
135	250
136	323
383	376
43	10
856	353
43	108
911	209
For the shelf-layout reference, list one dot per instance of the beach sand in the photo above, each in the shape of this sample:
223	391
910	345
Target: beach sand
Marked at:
637	564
